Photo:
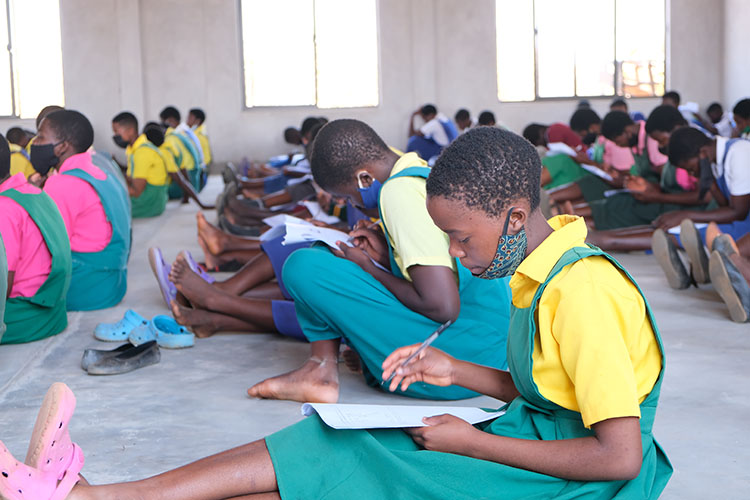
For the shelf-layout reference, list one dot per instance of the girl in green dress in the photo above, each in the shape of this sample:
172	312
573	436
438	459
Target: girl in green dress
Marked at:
585	358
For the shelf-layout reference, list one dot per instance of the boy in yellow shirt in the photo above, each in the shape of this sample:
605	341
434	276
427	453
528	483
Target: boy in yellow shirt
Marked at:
184	145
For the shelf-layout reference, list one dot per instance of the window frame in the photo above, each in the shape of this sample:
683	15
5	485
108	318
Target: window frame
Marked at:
614	95
305	107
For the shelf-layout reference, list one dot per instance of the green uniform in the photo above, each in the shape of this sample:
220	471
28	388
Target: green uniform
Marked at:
563	169
100	279
312	460
43	315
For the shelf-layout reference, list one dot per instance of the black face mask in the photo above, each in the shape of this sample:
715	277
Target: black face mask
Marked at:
43	157
706	179
120	141
589	138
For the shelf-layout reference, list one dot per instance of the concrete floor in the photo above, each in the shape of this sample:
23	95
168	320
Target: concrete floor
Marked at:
194	403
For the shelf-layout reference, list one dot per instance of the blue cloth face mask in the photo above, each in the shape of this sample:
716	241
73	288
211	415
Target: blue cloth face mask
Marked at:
369	194
511	250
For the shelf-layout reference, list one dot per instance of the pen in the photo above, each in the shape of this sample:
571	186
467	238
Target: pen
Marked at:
424	346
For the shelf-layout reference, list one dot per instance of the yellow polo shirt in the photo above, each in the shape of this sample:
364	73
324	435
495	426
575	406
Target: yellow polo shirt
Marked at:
416	240
166	154
205	145
146	163
181	154
18	161
595	351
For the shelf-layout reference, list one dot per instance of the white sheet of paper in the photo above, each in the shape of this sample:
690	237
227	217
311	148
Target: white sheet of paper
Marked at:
299	233
612	192
554	148
597	172
281	219
353	416
676	230
318	214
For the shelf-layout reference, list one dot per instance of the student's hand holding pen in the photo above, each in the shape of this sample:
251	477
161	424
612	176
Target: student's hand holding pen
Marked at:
432	366
371	240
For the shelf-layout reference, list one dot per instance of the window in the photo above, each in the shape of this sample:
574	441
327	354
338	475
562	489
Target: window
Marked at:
579	48
31	73
320	53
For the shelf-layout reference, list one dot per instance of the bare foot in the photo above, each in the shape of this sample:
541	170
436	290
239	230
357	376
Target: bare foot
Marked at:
317	381
199	321
211	260
195	289
212	236
712	231
352	360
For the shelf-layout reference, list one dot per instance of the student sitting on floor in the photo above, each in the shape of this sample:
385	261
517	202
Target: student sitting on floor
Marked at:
38	257
424	286
464	121
147	174
741	114
536	134
620	104
436	132
178	138
586	364
93	206
486	119
196	120
587	124
18	139
722	122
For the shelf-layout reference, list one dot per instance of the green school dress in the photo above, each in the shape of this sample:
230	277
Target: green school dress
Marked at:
100	279
153	199
563	169
312	460
336	299
643	166
43	315
3	286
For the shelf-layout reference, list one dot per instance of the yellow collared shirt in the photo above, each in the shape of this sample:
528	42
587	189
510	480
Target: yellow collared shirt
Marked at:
200	131
147	163
18	161
594	351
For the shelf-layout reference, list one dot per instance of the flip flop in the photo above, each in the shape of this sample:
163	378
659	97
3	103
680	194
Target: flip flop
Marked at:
666	254
165	331
731	286
118	332
195	267
693	245
161	271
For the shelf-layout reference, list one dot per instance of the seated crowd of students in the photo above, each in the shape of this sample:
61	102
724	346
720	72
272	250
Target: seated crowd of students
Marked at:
494	241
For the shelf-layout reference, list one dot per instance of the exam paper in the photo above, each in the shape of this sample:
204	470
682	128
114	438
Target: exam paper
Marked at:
676	230
318	214
597	171
354	416
300	233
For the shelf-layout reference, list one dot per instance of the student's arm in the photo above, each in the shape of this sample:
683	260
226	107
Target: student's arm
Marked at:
738	208
277	198
546	176
136	187
412	129
187	188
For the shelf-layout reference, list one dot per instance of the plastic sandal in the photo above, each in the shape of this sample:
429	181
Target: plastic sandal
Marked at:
161	271
18	481
118	332
165	331
196	268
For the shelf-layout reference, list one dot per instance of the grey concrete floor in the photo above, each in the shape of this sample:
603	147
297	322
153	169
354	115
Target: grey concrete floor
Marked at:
194	403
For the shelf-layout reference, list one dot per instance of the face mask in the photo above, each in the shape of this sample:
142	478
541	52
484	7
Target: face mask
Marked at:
120	141
43	157
589	138
706	179
369	194
663	150
511	250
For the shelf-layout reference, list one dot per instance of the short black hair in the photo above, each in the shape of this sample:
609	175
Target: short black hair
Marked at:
292	136
154	132
486	118
664	118
714	107
340	148
307	124
534	133
199	114
673	95
72	127
685	143
614	124
127	119
45	111
4	158
462	114
583	118
742	109
487	168
428	109
618	102
15	135
170	112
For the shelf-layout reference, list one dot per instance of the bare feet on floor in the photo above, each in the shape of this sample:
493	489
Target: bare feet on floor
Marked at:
317	381
197	290
212	236
212	261
200	322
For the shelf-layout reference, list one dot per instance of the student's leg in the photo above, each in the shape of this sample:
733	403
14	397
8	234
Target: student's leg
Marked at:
279	198
627	240
206	323
218	241
566	192
234	473
270	291
257	271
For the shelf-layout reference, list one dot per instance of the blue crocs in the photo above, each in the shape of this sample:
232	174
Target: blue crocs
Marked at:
118	332
165	331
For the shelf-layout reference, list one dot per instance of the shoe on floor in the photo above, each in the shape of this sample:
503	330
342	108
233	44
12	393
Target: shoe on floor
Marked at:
91	356
138	357
195	267
118	332
161	272
666	254
730	285
695	249
165	331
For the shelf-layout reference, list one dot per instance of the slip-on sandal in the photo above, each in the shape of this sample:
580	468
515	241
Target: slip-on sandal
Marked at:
195	267
666	254
730	285
161	271
165	331
237	229
140	356
693	245
91	356
118	332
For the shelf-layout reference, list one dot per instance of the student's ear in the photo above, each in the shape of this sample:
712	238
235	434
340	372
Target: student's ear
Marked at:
364	179
518	218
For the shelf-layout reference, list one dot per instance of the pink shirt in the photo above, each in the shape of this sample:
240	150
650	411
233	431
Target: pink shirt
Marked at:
79	204
616	156
25	248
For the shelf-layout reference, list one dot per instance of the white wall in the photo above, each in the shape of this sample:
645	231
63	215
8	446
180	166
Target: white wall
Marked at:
142	55
736	57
